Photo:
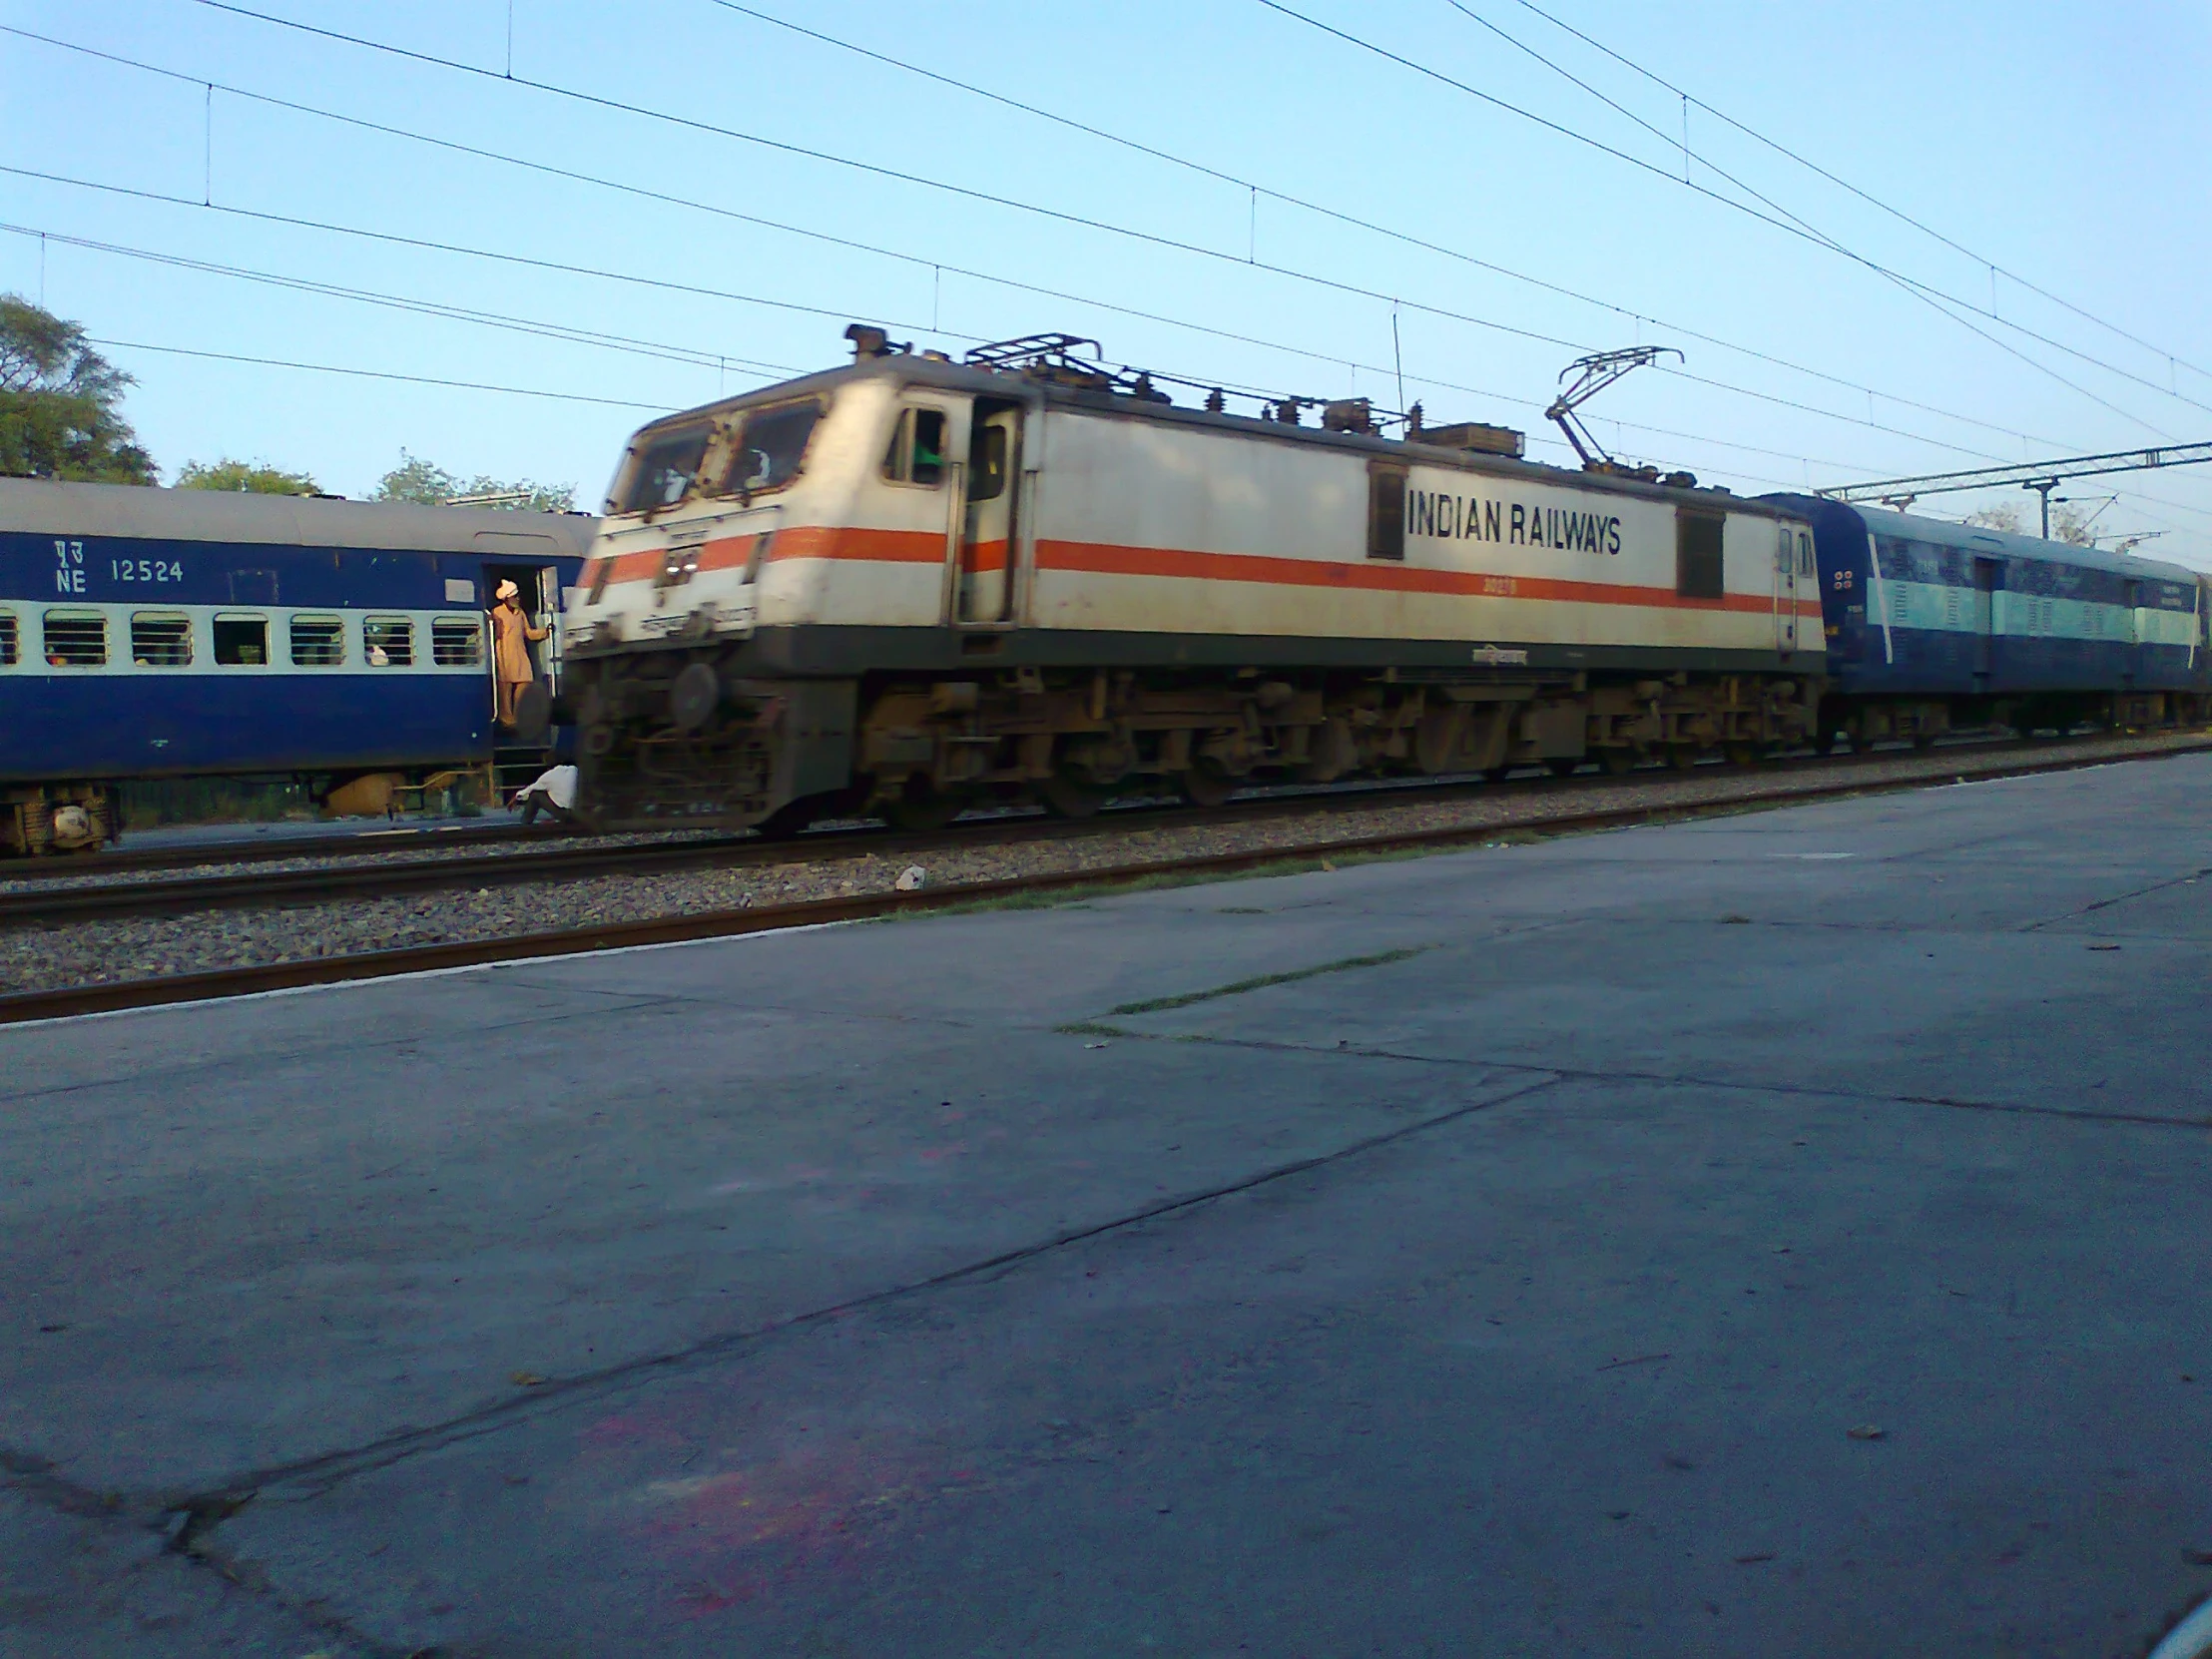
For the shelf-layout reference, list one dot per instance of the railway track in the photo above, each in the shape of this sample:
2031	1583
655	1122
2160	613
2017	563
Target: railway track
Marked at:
387	871
113	997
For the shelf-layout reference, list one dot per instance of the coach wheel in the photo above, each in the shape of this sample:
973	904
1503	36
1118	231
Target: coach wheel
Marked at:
1682	756
694	696
1616	761
1497	774
1563	766
1067	796
1204	785
1743	754
786	821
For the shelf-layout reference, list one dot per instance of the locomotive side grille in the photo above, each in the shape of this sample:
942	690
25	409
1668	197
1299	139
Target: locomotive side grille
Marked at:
159	641
76	639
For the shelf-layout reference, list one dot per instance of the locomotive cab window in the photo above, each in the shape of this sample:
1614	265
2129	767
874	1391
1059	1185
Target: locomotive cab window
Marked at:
241	641
318	641
388	641
8	646
1805	565
1698	572
456	642
770	448
917	454
1385	513
987	462
75	639
159	641
664	469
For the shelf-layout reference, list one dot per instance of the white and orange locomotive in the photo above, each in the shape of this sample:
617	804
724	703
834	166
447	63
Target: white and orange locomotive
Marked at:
909	585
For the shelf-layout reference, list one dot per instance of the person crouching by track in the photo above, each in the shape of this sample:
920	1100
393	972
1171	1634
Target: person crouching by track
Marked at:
512	632
553	792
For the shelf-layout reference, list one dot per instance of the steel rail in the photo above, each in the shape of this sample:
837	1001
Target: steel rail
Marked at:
118	995
358	844
579	858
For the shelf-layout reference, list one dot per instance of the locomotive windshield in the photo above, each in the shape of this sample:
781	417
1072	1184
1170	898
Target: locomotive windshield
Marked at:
665	469
770	447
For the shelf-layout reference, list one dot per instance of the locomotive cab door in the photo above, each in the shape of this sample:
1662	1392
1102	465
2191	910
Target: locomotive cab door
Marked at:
1792	547
988	551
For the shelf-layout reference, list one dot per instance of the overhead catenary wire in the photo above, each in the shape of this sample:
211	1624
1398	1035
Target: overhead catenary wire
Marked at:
1947	303
1785	223
1866	196
372	374
1062	216
986	276
1339	216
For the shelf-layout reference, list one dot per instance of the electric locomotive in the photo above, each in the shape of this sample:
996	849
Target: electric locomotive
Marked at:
910	584
151	633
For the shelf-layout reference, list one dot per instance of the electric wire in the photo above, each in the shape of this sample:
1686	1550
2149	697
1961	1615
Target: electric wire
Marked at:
1406	237
1946	302
911	259
1788	224
1170	242
370	373
1899	214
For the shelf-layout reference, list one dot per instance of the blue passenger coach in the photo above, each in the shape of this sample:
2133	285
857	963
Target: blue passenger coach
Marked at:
149	633
1931	624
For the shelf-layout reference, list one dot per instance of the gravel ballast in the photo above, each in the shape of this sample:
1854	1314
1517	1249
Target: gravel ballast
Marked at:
38	958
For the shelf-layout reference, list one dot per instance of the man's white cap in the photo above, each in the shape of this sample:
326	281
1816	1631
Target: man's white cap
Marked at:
507	589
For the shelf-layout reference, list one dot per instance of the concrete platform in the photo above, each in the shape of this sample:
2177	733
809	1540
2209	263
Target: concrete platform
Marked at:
1783	1235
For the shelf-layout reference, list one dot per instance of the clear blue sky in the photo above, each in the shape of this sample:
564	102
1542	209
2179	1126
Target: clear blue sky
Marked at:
2065	144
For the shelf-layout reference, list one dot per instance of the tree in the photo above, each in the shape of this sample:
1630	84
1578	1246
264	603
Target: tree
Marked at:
415	479
2071	525
2005	518
61	403
245	477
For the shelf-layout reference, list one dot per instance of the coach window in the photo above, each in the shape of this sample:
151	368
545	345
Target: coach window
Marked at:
388	641
318	641
1385	512
159	641
241	641
8	646
456	642
917	454
75	639
1697	556
770	448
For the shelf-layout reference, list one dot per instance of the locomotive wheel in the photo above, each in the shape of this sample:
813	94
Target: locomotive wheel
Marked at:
1067	796
1743	754
1563	766
786	821
921	809
1202	785
1682	756
1616	761
1497	774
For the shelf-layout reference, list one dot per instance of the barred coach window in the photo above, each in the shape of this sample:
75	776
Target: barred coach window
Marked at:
159	641
456	642
75	639
1697	556
318	641
8	646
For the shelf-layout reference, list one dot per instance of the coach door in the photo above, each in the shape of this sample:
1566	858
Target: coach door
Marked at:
1984	620
1792	547
990	531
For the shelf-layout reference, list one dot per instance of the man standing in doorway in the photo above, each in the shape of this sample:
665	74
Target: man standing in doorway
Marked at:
510	655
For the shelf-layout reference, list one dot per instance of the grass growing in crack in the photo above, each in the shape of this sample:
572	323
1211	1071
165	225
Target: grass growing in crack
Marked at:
1159	1004
1091	1028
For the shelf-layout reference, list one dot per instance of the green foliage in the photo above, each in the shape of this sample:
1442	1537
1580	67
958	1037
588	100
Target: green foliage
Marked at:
415	479
245	477
61	403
